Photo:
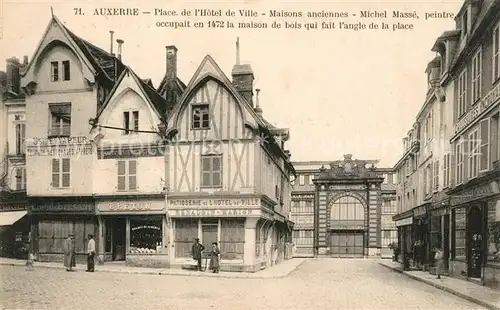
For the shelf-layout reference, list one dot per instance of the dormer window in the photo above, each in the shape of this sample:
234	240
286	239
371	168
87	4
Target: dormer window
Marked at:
66	71
131	122
200	118
465	23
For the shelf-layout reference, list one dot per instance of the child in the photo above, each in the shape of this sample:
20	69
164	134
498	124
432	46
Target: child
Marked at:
30	262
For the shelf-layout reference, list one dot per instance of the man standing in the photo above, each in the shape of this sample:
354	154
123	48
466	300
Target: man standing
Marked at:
69	253
196	251
91	254
439	262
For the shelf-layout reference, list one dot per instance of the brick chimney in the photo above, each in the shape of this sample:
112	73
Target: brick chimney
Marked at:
243	77
170	74
13	77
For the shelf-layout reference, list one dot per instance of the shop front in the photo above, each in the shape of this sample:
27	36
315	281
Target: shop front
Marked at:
404	224
440	230
133	230
54	219
244	227
421	234
476	233
14	225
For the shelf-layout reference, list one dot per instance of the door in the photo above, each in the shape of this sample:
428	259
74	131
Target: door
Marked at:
446	241
475	241
346	244
209	235
118	236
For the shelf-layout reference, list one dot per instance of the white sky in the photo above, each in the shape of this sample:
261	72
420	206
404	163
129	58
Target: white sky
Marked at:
338	91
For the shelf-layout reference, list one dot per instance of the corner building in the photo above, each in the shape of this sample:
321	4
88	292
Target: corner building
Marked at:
228	173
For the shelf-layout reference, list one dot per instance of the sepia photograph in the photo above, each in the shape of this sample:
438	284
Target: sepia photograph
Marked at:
250	154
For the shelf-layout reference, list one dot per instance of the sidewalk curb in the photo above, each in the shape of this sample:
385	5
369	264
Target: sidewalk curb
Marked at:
444	288
162	272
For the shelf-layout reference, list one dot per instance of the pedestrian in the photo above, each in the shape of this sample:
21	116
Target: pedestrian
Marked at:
69	253
91	254
196	250
439	262
31	259
215	258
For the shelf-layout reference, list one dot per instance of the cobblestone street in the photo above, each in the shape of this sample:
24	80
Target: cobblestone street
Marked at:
316	284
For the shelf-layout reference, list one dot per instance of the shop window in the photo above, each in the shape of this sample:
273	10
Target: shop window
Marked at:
232	239
459	233
436	232
186	230
145	235
494	233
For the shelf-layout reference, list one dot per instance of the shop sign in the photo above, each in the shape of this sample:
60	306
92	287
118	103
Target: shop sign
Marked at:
214	212
477	110
59	141
420	212
476	193
59	150
404	222
347	187
62	207
123	206
214	203
13	207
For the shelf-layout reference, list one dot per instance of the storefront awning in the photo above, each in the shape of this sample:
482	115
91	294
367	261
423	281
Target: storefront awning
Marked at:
9	218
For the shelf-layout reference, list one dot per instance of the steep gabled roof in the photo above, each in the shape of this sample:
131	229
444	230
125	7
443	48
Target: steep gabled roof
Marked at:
156	101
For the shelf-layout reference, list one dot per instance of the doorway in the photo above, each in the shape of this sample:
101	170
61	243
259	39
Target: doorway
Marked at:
209	234
347	244
446	241
118	228
475	241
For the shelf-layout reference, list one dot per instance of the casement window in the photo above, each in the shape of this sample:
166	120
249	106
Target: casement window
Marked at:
61	172
211	171
462	93
435	181
60	120
301	180
459	167
477	64
307	179
425	187
20	178
473	155
66	70
496	54
494	139
131	122
484	145
54	71
200	117
430	178
446	170
127	175
20	138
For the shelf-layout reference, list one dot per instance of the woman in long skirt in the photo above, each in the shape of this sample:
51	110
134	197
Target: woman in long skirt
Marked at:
215	258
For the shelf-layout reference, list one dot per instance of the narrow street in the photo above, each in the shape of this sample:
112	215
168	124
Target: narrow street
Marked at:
317	284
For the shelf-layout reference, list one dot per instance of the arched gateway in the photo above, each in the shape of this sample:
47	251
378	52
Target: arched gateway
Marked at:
347	227
348	214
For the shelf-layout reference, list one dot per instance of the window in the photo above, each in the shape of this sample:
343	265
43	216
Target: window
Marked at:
459	233
473	169
493	242
496	54
301	180
311	177
435	181
146	235
54	71
446	170
201	119
60	120
303	237
20	179
66	70
211	174
307	179
127	175
385	178
303	206
476	76
483	147
389	236
462	93
131	122
425	181
389	207
465	24
459	157
20	138
495	137
60	172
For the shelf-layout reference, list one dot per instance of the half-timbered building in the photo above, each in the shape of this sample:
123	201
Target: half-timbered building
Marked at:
228	173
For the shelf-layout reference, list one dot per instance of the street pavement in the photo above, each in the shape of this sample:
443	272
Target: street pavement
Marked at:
316	284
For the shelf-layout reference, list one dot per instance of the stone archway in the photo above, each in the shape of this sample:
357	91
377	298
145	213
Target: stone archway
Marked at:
347	225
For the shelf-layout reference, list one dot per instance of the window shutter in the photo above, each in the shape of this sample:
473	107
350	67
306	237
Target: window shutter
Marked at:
55	172
136	120
465	161
485	149
132	175
121	175
65	172
19	175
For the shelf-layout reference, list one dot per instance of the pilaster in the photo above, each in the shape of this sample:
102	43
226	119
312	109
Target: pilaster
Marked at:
249	247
